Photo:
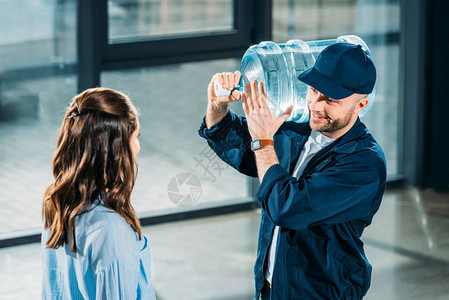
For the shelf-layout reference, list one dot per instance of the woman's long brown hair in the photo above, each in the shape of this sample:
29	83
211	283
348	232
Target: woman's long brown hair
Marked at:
93	155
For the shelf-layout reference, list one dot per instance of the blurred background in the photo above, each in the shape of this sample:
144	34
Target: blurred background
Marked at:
162	53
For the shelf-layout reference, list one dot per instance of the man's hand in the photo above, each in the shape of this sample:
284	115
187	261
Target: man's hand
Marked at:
262	124
228	81
217	107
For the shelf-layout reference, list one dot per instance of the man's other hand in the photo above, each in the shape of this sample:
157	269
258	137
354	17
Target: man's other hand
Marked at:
262	124
228	81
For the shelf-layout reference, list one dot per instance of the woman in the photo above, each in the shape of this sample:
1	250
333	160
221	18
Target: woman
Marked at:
92	246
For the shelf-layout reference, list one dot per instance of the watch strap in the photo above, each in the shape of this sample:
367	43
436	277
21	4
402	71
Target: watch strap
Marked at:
266	143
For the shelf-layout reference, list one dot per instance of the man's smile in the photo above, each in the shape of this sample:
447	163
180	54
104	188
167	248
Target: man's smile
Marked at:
318	118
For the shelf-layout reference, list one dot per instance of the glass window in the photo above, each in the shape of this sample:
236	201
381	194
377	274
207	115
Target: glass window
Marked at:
37	81
176	166
141	19
377	23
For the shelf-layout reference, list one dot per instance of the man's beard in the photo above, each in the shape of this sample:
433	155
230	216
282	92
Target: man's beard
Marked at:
330	125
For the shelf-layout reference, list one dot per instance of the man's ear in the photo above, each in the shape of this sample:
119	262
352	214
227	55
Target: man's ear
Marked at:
361	104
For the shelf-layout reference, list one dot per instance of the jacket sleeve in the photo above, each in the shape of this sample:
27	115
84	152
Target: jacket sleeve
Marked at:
231	141
345	191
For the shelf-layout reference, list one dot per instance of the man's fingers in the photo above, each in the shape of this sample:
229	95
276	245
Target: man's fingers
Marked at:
286	113
245	105
254	94
210	88
237	76
249	100
236	95
216	77
230	80
263	97
227	80
225	83
261	88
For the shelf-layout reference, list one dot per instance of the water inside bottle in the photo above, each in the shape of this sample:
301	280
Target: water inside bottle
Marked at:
277	66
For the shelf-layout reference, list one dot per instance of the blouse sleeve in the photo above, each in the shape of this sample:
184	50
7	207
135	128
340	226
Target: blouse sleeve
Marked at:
118	281
120	261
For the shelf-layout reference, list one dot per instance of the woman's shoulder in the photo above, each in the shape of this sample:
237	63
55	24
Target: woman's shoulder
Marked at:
101	220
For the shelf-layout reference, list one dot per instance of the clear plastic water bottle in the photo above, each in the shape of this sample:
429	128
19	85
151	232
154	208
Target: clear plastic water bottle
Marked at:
278	66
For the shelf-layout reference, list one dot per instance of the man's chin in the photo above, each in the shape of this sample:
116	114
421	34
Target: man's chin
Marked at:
317	126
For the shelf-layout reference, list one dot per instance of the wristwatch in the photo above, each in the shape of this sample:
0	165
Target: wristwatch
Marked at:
257	144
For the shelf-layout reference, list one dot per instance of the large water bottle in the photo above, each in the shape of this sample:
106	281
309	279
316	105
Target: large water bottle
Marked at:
278	66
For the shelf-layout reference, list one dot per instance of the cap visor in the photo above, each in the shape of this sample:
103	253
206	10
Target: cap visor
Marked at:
324	84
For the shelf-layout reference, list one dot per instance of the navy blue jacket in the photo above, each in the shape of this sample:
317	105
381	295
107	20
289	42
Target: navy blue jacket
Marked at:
321	215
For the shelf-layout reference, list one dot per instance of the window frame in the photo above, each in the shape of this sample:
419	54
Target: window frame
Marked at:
252	24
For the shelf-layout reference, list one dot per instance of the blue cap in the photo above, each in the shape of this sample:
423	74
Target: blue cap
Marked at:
341	70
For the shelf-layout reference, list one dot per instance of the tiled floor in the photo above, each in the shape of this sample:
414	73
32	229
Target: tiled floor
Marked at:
212	258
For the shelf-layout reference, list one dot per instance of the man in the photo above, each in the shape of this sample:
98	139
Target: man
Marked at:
320	182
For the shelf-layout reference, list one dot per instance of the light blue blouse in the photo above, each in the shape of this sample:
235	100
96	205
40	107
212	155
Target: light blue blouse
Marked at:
110	261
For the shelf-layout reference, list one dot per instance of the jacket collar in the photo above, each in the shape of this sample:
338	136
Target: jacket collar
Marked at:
345	144
348	142
295	136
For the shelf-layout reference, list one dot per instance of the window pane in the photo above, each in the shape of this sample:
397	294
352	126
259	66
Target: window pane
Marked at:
172	102
377	23
37	82
131	20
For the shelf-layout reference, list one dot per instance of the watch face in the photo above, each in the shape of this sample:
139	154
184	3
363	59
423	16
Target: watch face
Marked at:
255	144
